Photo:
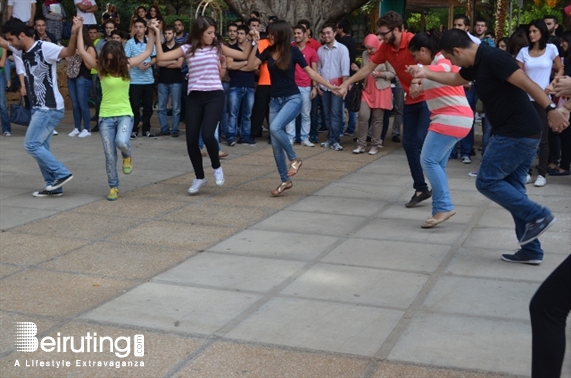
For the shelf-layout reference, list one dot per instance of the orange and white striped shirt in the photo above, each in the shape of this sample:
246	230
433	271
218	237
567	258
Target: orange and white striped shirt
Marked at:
450	111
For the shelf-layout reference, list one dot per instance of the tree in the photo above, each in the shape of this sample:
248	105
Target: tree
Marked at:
318	12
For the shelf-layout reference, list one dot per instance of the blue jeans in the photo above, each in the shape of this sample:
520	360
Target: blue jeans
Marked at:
5	119
416	118
433	158
467	143
351	122
487	133
283	110
305	116
115	133
37	143
240	102
501	178
79	89
333	111
174	91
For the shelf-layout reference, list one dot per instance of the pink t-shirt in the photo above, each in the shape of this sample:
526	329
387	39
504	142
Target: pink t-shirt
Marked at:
203	71
302	79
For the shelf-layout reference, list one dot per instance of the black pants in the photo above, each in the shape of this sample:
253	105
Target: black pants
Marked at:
183	97
549	308
142	95
203	112
260	110
544	143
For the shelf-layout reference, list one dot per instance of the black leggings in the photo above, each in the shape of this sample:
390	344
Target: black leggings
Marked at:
549	308
203	112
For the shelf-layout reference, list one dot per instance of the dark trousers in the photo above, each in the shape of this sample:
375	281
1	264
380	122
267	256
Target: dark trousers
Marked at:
142	95
260	110
416	119
183	97
544	143
549	309
206	110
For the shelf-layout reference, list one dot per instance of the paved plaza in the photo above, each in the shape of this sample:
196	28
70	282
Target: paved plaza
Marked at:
333	279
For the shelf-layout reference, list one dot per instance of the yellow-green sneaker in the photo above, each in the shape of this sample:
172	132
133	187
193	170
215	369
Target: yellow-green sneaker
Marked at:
113	194
127	165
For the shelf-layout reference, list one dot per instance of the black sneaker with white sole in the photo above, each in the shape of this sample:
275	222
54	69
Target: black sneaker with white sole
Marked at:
59	183
47	193
534	229
521	258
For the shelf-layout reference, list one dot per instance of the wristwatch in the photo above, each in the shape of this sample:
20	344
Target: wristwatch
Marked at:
550	107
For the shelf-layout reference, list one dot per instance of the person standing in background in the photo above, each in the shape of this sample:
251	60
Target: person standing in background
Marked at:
24	10
86	9
54	13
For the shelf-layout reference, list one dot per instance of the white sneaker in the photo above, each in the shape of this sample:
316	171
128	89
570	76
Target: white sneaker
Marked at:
84	133
540	181
528	179
196	185
219	176
75	132
7	134
307	143
55	133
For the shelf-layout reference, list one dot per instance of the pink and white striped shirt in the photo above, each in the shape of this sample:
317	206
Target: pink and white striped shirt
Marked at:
450	111
203	72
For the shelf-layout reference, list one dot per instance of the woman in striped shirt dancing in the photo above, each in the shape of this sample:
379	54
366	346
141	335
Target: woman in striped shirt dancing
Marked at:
450	120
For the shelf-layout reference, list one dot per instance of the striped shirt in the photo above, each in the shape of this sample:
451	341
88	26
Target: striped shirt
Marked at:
134	47
203	72
450	112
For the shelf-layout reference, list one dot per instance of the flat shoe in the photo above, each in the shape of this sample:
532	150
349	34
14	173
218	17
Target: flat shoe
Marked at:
294	167
557	172
283	187
431	222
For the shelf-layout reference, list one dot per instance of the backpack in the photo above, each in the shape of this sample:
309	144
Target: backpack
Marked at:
73	65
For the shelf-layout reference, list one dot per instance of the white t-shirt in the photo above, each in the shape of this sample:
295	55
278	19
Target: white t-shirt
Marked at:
40	66
538	68
22	9
88	18
474	39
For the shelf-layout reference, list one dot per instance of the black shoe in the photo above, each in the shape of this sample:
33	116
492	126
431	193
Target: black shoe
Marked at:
521	258
59	183
534	229
175	134
133	135
148	134
472	152
161	133
396	139
47	193
94	118
95	129
416	199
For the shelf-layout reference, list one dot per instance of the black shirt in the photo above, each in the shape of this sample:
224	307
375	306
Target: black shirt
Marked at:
349	42
508	107
169	75
52	38
241	79
283	82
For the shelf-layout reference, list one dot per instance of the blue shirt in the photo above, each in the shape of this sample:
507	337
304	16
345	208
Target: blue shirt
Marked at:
333	63
133	48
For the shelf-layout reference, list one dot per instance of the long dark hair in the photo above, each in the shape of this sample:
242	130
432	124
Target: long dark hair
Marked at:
567	38
429	40
518	40
540	24
282	33
119	65
159	15
199	26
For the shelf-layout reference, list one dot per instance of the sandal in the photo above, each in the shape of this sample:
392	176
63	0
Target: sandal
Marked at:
294	167
283	187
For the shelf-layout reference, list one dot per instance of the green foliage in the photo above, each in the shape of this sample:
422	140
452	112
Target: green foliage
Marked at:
432	21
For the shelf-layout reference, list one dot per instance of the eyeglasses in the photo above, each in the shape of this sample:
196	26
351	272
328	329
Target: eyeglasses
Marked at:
383	34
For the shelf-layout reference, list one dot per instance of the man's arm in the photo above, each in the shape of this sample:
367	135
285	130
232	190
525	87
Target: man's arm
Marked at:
453	79
31	20
9	10
360	75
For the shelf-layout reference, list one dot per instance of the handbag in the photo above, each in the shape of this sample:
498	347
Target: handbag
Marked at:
19	114
353	101
73	65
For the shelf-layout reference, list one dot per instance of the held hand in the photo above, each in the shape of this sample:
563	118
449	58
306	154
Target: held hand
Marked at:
77	24
416	71
313	92
23	90
154	26
558	119
319	91
354	67
562	86
222	59
414	90
341	91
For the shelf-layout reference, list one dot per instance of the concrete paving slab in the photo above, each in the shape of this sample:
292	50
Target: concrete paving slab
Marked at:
323	162
296	221
459	198
174	308
6	270
503	238
338	205
15	216
276	244
301	186
231	272
259	198
69	200
481	344
333	327
419	214
132	208
392	370
225	359
400	255
377	180
479	262
358	285
394	230
348	190
317	174
471	296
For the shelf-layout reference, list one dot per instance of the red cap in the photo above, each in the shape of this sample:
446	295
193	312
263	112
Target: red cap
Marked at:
568	10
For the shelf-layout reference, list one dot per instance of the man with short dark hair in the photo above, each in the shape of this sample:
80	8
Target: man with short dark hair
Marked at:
344	37
41	33
254	24
462	22
480	29
169	84
232	33
503	88
552	24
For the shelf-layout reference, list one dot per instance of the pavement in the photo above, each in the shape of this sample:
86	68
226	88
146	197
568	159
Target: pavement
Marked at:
333	279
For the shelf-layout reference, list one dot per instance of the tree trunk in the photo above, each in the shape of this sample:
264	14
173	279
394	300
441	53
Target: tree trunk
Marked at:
501	17
318	12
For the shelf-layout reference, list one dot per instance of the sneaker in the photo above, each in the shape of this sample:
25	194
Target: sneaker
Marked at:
336	147
534	229
519	257
219	176
196	185
347	134
84	134
314	140
59	183
231	142
161	133
416	199
113	194
540	181
47	193
307	143
7	134
55	133
374	150
148	134
175	134
249	142
473	173
127	165
359	150
74	133
466	159
325	144
396	139
133	135
528	179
